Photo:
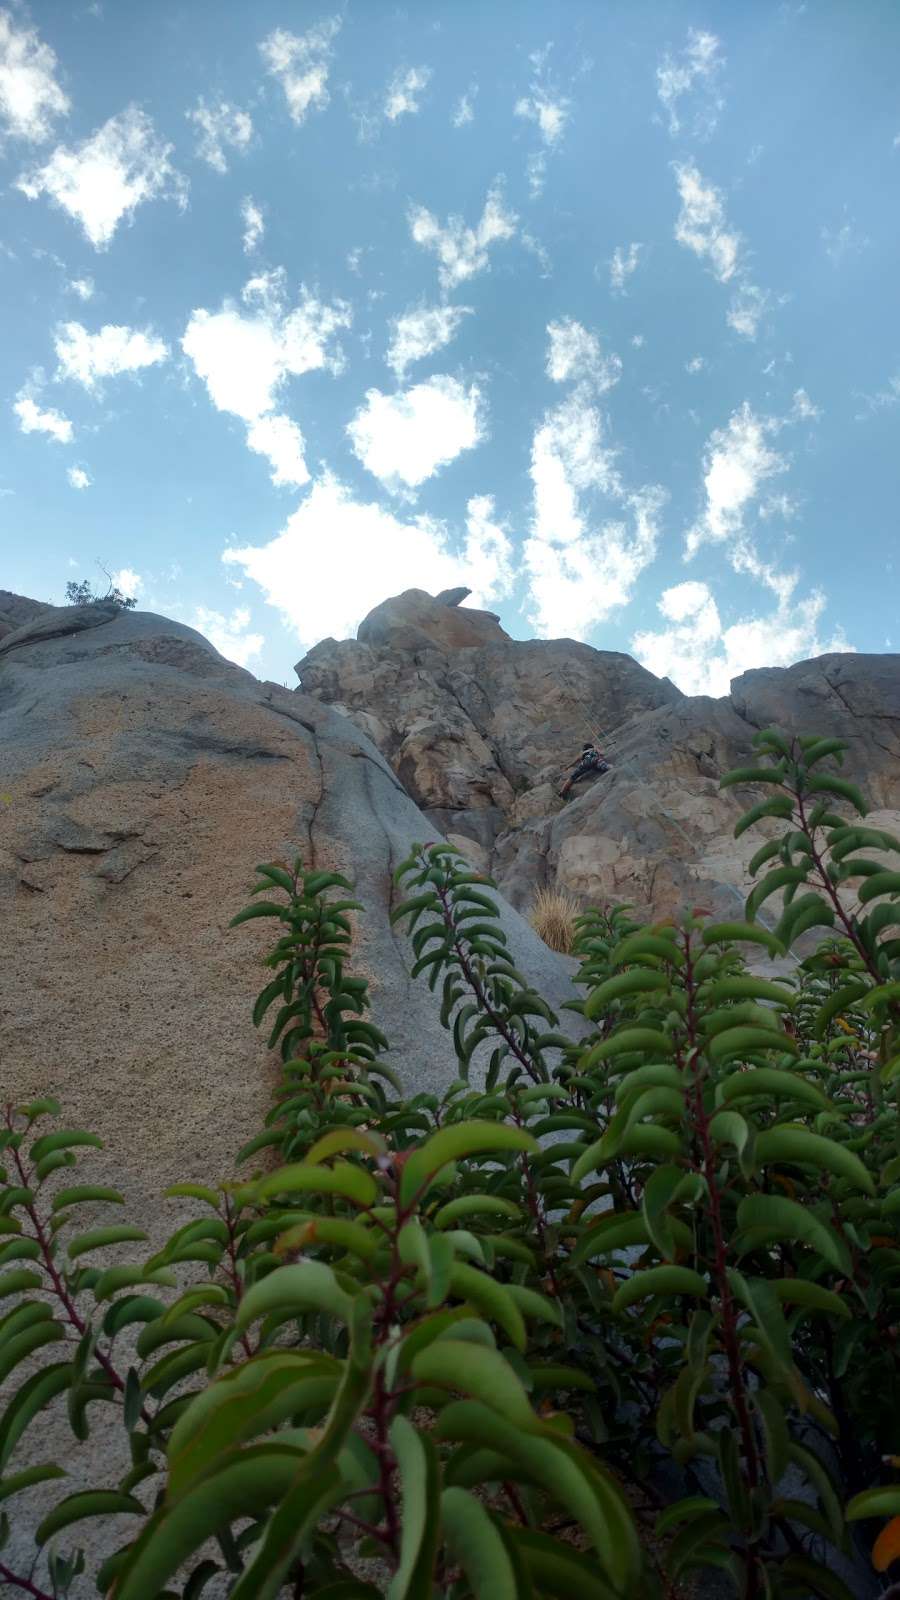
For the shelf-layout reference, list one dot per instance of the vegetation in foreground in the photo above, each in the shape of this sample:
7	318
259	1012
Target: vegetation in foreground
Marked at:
480	1337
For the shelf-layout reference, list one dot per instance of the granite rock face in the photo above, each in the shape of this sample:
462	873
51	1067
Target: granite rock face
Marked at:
143	777
480	734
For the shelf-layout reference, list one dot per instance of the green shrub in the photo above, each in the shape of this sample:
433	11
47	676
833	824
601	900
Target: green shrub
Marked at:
472	1336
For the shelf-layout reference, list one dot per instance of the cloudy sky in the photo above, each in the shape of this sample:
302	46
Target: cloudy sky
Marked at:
591	306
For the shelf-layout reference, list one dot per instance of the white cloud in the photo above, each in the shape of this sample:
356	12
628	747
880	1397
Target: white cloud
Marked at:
32	419
78	478
87	358
701	656
843	242
748	307
279	439
464	110
573	586
582	559
218	126
106	177
254	224
83	287
229	635
695	70
802	408
374	553
738	459
637	339
882	400
420	332
30	97
549	111
702	227
622	265
245	356
574	356
405	438
128	582
461	251
300	62
487	551
404	89
696	364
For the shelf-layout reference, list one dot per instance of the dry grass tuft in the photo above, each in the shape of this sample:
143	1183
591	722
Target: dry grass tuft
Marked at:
553	919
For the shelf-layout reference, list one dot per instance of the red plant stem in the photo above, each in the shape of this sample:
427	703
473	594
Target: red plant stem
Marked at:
833	895
59	1287
24	1584
237	1281
730	1338
506	1033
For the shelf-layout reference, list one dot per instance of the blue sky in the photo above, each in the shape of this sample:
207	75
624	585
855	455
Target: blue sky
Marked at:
591	306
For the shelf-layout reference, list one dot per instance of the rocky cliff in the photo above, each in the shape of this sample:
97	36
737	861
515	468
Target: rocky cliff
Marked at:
479	728
143	777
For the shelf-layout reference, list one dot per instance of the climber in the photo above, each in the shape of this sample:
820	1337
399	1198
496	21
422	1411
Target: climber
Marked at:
591	762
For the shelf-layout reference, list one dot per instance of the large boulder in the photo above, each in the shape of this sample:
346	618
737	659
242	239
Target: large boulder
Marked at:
143	779
481	735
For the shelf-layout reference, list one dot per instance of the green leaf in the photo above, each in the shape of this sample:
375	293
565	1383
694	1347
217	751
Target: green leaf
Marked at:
36	1393
478	1547
260	908
473	1205
419	1478
742	932
492	1299
780	805
63	1139
647	1040
88	1503
826	783
796	1145
353	1182
880	1502
316	1487
18	1282
811	1296
454	1143
478	1371
774	1219
565	1472
82	1193
259	1477
729	1127
558	1570
193	1191
29	1476
24	1344
660	1190
308	1286
773	1083
667	1280
98	1238
409	1450
639	980
339	1139
744	1041
778	878
244	1402
116	1278
750	775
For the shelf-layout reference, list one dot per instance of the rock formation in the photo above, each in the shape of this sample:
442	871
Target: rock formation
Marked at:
479	728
